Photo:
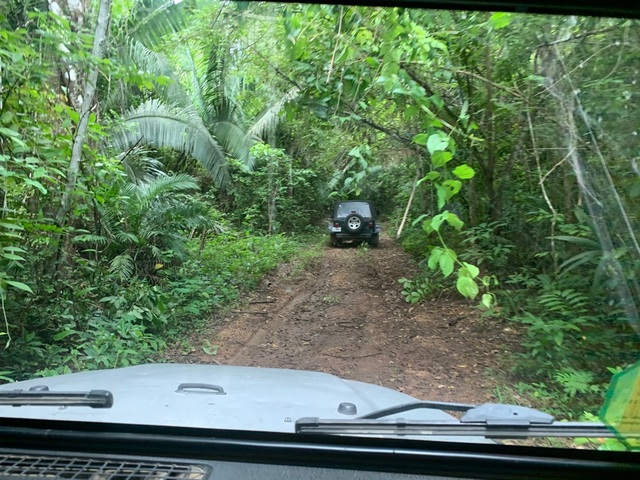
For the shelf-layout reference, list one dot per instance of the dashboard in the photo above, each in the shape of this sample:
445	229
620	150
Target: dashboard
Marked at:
36	449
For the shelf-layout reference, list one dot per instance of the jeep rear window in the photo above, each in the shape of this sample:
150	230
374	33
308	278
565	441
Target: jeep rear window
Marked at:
345	209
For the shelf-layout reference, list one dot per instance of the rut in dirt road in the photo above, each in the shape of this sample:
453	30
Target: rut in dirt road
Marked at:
345	315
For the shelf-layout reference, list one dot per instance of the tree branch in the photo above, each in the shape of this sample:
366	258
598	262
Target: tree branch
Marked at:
414	76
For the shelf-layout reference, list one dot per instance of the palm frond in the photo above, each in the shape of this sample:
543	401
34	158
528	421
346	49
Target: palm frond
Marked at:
169	184
221	104
214	78
265	125
158	124
122	266
157	65
234	140
127	238
139	166
89	238
152	20
156	252
197	93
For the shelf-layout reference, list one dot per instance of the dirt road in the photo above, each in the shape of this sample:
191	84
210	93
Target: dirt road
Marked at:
344	314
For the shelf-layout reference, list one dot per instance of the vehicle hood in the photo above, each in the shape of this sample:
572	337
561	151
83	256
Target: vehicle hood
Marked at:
263	399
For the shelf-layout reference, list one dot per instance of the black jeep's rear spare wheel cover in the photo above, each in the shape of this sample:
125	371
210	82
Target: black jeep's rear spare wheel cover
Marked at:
354	223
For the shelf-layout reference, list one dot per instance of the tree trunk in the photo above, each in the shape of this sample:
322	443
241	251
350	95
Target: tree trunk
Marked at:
490	166
498	201
71	79
104	15
272	193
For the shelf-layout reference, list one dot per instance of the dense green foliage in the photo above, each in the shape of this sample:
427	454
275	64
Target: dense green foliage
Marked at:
502	148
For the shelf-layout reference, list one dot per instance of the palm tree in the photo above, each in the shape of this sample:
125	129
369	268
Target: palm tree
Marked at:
204	121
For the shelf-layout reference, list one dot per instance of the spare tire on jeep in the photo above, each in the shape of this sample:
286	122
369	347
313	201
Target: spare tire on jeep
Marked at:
354	223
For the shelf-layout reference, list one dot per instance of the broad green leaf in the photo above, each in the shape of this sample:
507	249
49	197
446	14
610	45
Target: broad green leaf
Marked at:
63	334
437	221
11	256
467	287
558	338
446	263
19	285
434	258
487	300
429	177
453	185
437	142
500	20
40	172
421	139
14	249
464	110
472	270
454	221
36	184
586	242
444	194
11	226
409	113
464	172
355	152
9	133
440	159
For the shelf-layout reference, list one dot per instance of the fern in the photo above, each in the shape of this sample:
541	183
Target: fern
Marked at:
88	238
575	382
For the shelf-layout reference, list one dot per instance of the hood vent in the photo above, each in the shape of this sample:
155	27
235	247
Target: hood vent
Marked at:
17	467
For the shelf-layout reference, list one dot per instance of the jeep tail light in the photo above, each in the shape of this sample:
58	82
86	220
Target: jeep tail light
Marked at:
370	224
336	224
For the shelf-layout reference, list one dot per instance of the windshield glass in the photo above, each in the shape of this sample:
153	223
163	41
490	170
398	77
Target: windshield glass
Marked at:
168	170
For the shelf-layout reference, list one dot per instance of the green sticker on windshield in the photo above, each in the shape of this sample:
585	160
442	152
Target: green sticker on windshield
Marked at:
621	409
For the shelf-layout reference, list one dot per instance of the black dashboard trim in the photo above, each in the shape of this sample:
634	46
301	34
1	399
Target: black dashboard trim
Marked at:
484	461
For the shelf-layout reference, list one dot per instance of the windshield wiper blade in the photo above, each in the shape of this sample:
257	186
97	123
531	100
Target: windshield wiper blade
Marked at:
491	429
487	420
93	398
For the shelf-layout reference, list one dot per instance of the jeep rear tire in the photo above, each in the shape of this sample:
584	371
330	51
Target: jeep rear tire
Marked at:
375	240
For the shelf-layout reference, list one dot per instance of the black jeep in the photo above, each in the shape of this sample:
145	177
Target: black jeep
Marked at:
354	220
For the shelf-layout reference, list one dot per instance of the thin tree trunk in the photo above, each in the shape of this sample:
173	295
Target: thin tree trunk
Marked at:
568	185
272	193
489	171
104	15
406	210
473	200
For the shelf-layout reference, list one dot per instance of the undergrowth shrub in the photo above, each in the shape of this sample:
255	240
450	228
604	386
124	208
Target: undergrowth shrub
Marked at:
228	265
119	323
573	338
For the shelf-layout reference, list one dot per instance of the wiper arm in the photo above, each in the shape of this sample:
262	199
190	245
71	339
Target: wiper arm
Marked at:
447	406
33	397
